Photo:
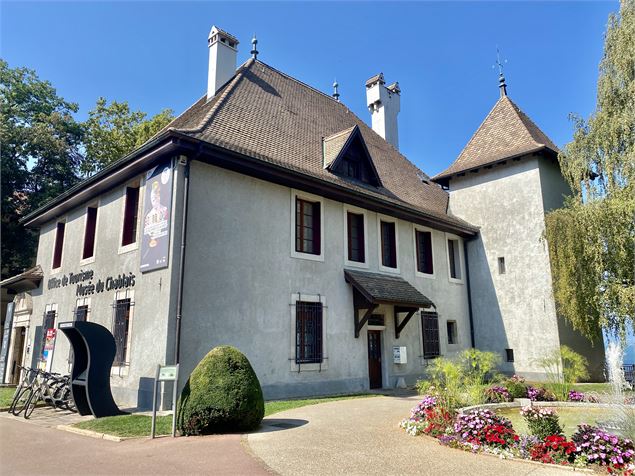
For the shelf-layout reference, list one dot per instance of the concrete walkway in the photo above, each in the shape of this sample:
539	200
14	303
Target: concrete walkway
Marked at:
361	436
37	449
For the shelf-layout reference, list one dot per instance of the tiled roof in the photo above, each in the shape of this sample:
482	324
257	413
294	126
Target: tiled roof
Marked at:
374	79
506	132
380	288
267	115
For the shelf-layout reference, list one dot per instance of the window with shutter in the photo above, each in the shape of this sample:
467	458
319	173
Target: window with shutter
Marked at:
423	242
355	224
121	327
388	245
307	227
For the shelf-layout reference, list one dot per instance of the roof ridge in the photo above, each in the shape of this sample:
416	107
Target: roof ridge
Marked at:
227	89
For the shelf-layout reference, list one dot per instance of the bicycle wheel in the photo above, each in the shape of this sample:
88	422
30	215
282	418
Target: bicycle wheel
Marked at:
33	399
20	400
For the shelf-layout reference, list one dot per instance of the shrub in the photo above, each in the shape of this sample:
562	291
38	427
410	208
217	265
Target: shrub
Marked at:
542	422
516	387
540	394
564	367
497	394
477	426
604	449
222	394
554	449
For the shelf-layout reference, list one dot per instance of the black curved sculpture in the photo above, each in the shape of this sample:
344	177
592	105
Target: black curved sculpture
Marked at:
94	351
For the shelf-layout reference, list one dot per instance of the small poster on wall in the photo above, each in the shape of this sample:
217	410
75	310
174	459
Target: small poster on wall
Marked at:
157	208
49	346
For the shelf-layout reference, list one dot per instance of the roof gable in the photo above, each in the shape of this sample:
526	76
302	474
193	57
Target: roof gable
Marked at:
506	132
346	154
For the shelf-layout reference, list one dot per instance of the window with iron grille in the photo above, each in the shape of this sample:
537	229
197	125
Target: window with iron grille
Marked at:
121	326
430	326
47	323
355	224
307	226
81	313
423	242
308	332
388	245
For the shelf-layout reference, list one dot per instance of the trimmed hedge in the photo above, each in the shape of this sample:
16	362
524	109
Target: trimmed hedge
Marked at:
222	395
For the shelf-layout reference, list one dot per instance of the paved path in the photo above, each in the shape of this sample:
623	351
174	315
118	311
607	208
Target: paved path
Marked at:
37	449
361	436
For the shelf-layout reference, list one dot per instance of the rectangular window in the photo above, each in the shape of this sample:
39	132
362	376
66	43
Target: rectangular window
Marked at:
430	326
59	245
47	324
388	245
308	332
307	226
451	327
131	215
455	259
376	320
355	237
81	313
509	353
501	265
89	233
423	241
120	329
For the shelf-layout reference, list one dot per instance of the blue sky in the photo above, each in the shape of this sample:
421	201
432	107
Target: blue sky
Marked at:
154	55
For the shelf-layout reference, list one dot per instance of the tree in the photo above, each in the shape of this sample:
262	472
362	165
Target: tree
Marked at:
113	131
39	156
592	239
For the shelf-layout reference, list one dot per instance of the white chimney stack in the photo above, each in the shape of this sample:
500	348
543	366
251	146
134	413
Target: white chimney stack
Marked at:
223	48
384	104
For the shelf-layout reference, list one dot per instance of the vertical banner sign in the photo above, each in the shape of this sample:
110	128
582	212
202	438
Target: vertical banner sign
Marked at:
49	345
157	210
4	350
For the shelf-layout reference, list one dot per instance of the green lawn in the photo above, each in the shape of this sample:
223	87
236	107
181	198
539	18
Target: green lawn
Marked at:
139	425
570	418
6	397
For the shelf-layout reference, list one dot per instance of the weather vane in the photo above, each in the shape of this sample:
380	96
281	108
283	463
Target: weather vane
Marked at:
501	78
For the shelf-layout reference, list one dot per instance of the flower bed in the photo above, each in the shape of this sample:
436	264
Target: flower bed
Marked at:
481	430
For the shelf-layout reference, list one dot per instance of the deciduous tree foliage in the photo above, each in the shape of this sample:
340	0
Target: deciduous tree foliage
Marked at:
592	239
113	131
39	156
45	151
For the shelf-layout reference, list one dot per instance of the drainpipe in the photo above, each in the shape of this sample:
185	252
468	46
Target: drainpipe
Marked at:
179	295
469	293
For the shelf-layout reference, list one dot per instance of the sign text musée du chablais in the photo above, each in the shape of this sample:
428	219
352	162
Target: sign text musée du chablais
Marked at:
85	285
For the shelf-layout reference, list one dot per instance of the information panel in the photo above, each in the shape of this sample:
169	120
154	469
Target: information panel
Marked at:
157	210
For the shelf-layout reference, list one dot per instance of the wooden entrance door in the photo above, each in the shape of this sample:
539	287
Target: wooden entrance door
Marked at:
374	359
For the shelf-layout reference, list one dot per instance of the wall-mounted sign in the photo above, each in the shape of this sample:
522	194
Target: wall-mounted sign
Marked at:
49	347
399	355
157	209
86	286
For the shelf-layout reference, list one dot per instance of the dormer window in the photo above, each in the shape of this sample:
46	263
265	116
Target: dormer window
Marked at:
346	155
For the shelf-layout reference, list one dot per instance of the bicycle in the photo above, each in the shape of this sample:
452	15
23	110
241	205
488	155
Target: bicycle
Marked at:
23	390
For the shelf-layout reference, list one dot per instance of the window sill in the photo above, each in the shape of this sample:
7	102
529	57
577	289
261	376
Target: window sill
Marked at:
356	264
86	261
419	274
456	281
128	248
307	256
388	269
119	370
56	270
299	368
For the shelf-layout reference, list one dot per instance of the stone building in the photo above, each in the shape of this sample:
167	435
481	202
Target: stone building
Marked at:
269	217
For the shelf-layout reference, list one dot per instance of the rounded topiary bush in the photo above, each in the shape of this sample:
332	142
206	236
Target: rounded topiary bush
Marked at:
222	395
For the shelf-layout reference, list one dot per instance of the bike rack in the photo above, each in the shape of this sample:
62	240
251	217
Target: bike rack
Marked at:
94	351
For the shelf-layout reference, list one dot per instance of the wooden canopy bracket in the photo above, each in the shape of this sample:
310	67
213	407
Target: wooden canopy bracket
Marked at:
399	326
359	323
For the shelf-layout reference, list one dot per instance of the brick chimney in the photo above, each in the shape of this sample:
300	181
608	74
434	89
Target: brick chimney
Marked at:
223	49
384	104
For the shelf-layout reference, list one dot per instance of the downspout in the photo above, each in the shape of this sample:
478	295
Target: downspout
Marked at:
469	292
179	295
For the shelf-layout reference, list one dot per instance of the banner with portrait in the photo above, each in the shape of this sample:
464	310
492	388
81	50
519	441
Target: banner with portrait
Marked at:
155	222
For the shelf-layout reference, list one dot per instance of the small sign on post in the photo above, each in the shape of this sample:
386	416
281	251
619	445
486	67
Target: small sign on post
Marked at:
166	373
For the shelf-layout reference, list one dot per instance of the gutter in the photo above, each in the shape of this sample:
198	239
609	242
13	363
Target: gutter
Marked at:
179	293
469	292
